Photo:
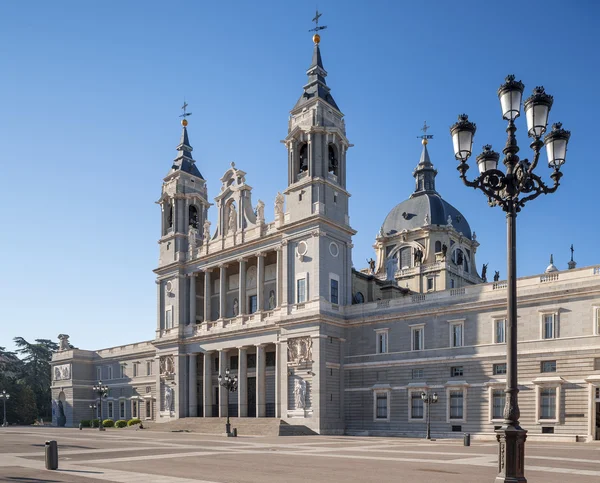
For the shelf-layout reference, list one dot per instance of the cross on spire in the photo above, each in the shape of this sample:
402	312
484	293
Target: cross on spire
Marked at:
316	21
424	137
184	109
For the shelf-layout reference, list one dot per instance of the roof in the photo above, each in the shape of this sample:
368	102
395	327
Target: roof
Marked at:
184	160
316	86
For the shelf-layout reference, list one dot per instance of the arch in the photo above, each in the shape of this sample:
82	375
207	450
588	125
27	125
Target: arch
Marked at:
193	216
303	158
438	246
359	298
460	258
333	159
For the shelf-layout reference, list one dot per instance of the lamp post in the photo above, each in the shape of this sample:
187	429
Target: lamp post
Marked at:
5	397
429	399
101	391
93	409
511	189
231	385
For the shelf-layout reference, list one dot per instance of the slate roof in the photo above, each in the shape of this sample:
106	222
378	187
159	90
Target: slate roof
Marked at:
184	160
316	86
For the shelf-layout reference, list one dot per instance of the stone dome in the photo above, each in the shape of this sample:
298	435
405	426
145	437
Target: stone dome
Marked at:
414	212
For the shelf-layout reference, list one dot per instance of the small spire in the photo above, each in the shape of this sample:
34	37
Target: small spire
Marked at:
184	160
424	173
572	264
551	268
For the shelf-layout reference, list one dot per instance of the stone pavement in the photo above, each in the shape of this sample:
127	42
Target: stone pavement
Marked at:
127	456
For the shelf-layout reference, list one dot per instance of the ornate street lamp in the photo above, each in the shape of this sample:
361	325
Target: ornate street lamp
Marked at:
5	397
429	399
231	385
101	391
93	409
511	190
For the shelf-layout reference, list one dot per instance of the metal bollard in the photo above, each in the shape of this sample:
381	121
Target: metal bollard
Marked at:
467	439
235	432
51	449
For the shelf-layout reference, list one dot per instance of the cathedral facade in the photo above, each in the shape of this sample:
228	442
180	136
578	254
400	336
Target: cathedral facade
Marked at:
314	342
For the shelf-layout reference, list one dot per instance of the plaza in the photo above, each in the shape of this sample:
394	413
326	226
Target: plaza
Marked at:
164	457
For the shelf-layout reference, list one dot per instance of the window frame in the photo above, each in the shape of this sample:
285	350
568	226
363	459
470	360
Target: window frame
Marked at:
299	277
454	388
110	373
549	382
547	362
135	408
122	409
110	410
543	315
498	385
169	324
122	371
98	373
596	319
498	364
452	324
495	321
379	335
334	278
416	389
376	392
456	368
413	329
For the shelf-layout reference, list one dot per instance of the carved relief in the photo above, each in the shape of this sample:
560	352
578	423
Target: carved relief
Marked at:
299	350
167	365
62	372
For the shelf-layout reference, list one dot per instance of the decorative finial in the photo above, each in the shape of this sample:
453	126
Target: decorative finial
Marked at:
185	114
316	36
572	264
572	250
424	137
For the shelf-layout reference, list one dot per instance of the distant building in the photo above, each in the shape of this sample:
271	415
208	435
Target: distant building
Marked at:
318	344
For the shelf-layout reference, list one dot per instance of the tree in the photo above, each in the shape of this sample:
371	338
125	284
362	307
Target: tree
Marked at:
35	371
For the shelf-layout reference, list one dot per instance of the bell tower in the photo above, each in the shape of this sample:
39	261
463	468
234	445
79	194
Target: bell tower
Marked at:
317	146
183	202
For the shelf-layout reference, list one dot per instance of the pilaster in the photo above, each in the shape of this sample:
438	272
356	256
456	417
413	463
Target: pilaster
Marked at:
243	382
207	385
261	407
207	294
242	287
192	386
222	390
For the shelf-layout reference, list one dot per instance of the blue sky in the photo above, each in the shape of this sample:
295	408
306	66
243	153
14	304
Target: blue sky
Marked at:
89	124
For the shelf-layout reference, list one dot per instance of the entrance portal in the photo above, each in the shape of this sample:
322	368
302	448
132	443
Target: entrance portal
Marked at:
252	397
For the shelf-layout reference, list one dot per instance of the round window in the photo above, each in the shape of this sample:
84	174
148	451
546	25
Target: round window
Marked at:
302	248
169	286
334	249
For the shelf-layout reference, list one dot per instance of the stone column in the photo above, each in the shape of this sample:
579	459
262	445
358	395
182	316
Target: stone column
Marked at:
278	278
192	387
277	386
242	382
222	390
207	385
222	291
159	312
283	301
260	282
283	379
319	384
207	294
261	408
242	287
193	298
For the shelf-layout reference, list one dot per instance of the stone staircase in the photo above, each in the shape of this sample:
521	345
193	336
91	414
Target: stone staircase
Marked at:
245	426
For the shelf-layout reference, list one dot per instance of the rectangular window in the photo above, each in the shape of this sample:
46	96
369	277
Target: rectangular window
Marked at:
334	291
456	334
430	284
168	319
110	409
251	361
301	290
136	369
98	373
597	364
499	369
456	404
122	371
417	374
548	366
416	406
498	401
270	359
122	410
148	408
233	363
456	371
548	403
110	372
500	331
381	405
417	338
451	283
548	326
381	340
253	305
134	409
596	320
216	360
148	368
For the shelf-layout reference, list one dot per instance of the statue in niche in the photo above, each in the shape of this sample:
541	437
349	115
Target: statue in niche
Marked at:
232	219
459	258
449	220
63	345
300	393
61	419
484	272
444	250
271	300
206	231
168	398
192	238
236	307
418	256
496	276
279	200
371	263
260	212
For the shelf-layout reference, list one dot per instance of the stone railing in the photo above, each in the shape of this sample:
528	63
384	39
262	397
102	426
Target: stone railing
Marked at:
548	277
499	285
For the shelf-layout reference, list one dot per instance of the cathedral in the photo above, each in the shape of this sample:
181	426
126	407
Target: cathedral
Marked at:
316	343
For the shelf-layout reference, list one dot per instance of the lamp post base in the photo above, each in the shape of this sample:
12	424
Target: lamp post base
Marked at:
228	428
511	454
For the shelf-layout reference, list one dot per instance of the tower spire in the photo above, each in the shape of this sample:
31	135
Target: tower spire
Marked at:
424	173
184	160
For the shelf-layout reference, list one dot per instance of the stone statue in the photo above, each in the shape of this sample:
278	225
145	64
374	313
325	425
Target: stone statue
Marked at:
64	342
168	398
206	231
279	200
236	307
271	299
371	263
474	237
449	220
260	212
61	419
444	250
232	219
418	256
300	393
459	257
496	276
192	238
427	219
484	272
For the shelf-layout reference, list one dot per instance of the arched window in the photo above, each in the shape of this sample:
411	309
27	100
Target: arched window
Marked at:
193	216
359	298
303	165
333	159
405	258
438	246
